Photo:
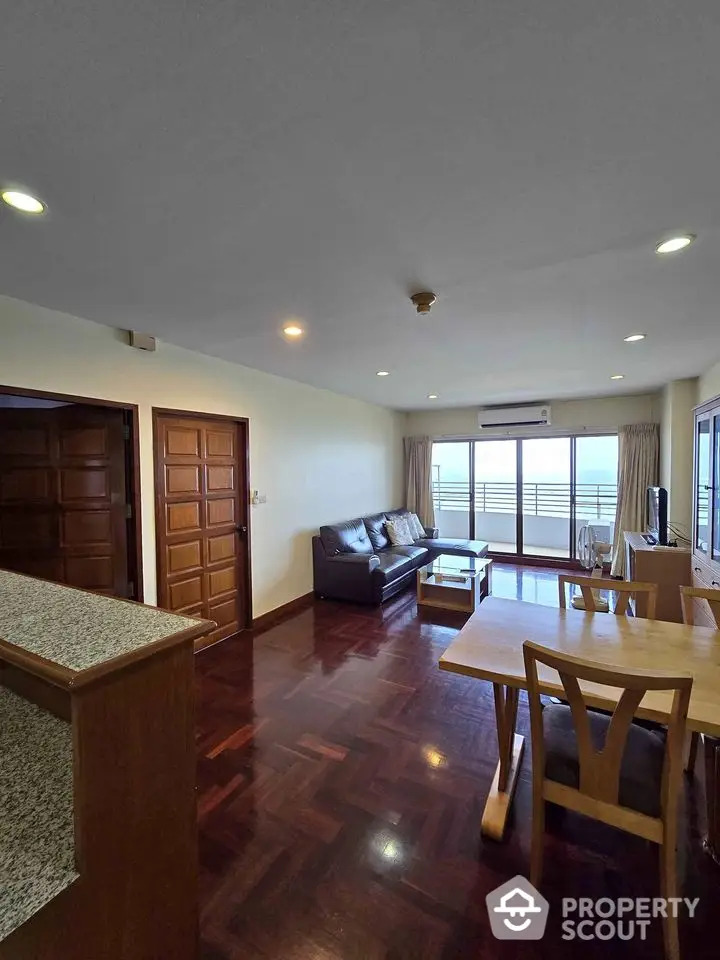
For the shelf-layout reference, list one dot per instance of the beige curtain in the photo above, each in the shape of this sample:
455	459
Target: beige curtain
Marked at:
418	475
638	466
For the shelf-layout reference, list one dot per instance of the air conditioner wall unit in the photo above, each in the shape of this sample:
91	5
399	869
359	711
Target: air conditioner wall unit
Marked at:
535	415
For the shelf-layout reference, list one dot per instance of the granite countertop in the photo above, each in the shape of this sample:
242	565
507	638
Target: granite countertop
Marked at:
78	630
37	843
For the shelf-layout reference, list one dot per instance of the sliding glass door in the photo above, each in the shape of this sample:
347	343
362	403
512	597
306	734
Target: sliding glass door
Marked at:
496	494
547	497
526	497
451	487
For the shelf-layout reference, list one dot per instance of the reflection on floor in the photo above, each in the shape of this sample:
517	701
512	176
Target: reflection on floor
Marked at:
341	781
532	550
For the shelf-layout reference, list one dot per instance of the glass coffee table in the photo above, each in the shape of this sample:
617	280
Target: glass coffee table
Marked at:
456	584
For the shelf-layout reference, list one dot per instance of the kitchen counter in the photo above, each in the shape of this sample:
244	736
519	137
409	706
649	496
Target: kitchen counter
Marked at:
37	845
76	630
76	670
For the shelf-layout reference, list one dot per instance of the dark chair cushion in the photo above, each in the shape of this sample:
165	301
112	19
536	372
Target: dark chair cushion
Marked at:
349	537
393	566
375	527
642	763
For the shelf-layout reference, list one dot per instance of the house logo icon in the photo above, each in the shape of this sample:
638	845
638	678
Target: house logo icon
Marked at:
517	910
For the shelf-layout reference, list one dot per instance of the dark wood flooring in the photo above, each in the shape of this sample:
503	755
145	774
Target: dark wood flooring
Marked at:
341	782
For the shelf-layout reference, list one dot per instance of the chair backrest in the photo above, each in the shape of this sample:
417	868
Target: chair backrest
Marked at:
623	588
688	594
600	769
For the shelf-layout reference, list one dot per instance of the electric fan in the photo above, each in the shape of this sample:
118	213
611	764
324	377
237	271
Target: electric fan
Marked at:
591	550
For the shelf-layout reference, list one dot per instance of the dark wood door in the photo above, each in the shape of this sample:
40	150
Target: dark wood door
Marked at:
63	509
201	513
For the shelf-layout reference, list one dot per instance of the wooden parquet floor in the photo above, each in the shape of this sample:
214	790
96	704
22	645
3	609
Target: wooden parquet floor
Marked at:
341	783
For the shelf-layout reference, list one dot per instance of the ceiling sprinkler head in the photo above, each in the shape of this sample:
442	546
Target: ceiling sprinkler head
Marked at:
423	301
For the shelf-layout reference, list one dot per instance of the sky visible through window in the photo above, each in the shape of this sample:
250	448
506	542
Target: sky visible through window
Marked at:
545	460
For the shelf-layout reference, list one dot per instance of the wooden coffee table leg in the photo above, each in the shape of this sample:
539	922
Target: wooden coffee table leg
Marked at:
711	750
510	749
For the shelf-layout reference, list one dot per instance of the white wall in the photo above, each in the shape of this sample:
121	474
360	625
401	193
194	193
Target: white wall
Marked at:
676	448
601	414
709	384
319	457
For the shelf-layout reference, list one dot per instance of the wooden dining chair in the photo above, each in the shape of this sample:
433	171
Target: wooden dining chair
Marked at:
608	767
623	588
687	597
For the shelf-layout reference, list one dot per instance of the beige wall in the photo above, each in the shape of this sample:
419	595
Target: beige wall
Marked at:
709	384
318	457
676	448
601	414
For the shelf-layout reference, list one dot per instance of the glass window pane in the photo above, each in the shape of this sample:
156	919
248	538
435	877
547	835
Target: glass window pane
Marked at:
546	497
702	499
496	494
596	468
716	490
451	487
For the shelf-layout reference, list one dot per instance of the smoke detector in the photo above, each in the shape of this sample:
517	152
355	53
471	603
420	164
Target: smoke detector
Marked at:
423	300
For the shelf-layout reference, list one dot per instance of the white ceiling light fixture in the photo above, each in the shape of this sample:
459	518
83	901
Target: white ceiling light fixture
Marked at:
673	244
24	202
383	373
618	376
634	337
432	396
293	331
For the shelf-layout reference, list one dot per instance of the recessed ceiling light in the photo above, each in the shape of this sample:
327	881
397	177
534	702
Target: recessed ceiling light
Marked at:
634	337
432	396
293	330
23	201
673	244
618	376
383	373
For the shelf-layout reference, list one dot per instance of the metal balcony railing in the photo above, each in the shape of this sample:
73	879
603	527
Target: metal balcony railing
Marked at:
538	499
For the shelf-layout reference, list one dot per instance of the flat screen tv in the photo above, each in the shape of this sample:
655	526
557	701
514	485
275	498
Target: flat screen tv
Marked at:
657	500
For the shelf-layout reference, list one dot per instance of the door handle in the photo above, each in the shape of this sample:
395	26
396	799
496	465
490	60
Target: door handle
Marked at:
242	529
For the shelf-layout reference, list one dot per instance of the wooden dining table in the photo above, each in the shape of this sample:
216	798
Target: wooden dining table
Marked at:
489	647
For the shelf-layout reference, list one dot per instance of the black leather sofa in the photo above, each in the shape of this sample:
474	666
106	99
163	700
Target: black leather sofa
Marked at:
356	561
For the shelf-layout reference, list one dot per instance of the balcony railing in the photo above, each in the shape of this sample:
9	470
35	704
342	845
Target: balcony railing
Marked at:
592	500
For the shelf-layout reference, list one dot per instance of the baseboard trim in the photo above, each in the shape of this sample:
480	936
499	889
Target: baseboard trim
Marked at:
284	612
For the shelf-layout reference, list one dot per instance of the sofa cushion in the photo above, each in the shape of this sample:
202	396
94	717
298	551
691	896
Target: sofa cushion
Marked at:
456	547
419	554
399	532
393	565
349	537
416	528
375	526
642	763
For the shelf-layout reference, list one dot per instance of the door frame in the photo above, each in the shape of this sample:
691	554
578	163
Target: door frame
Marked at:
244	489
132	472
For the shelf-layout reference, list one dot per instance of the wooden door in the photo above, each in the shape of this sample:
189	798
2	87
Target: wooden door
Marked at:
63	505
201	520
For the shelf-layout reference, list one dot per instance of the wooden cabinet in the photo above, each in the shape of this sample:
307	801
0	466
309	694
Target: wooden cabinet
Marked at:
668	567
705	561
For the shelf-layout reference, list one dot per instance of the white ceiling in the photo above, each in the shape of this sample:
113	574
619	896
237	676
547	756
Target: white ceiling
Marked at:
213	168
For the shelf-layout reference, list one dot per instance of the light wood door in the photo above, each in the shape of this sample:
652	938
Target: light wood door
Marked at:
63	509
201	510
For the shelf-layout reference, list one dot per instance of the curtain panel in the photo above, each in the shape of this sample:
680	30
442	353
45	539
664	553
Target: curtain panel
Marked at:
638	469
418	477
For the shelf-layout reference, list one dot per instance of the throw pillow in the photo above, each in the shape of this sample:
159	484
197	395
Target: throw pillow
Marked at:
399	532
416	528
